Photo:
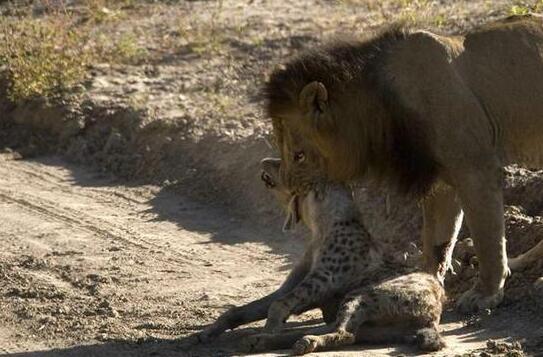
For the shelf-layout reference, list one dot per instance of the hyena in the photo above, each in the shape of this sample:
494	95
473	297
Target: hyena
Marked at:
362	292
348	262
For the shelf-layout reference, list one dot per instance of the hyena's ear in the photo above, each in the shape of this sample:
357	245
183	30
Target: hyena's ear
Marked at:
293	215
313	100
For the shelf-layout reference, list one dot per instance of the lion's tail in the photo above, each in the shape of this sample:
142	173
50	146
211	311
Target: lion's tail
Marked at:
525	259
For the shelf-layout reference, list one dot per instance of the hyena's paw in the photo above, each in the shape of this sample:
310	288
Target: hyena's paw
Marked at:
256	343
474	300
305	345
210	333
273	326
277	315
225	322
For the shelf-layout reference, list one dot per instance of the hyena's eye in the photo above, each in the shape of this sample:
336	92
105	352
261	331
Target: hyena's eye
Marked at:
299	156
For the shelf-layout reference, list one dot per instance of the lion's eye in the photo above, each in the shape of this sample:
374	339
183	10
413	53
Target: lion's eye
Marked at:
299	156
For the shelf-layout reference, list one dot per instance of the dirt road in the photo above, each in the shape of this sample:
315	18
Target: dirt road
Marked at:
83	258
93	267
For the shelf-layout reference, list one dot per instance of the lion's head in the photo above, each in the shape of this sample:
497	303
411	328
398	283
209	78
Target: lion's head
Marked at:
334	116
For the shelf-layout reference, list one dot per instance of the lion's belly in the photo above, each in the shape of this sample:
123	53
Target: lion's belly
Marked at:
504	69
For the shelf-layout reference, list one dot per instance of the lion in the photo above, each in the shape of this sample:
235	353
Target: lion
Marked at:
435	117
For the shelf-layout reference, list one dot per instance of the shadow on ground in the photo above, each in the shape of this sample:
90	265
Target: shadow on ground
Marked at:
461	338
223	224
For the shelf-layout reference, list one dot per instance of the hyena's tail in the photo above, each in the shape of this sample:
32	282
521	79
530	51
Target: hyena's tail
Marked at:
523	260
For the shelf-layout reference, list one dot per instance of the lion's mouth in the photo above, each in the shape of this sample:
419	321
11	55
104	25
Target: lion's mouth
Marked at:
267	179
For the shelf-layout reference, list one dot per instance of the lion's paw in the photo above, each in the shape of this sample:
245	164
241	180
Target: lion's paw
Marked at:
305	345
473	300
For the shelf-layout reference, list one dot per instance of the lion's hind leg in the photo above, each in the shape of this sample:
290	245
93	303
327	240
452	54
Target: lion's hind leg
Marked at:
442	219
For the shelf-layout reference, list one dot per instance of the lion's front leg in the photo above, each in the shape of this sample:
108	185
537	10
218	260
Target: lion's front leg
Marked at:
482	200
442	219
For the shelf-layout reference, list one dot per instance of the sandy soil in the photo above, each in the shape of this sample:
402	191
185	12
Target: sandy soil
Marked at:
84	258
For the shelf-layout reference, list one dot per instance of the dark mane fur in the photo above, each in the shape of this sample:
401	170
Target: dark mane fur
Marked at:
392	143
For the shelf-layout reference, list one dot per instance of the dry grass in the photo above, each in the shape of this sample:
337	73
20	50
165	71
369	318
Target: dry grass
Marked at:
46	49
42	57
525	7
45	55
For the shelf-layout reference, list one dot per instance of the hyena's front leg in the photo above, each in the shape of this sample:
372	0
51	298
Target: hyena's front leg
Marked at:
351	315
314	290
256	310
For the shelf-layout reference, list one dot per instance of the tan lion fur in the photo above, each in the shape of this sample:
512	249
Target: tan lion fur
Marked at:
418	110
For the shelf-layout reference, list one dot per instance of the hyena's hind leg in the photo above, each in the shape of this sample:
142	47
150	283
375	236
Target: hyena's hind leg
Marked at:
528	258
280	341
362	307
426	338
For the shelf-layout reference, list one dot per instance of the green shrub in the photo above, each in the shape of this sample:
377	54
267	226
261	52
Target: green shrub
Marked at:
522	8
41	57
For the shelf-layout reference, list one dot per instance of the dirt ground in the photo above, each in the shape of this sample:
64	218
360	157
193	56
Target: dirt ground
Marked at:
131	210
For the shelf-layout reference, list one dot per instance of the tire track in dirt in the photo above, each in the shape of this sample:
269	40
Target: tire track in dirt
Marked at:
118	262
50	212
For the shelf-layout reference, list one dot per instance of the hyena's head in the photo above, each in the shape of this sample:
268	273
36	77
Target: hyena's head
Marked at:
320	206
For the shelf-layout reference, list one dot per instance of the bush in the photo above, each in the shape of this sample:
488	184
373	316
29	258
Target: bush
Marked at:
41	57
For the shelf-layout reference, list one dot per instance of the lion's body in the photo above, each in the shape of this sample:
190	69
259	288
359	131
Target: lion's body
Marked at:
502	65
422	111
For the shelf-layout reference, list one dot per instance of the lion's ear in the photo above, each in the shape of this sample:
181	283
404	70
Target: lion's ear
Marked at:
314	98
